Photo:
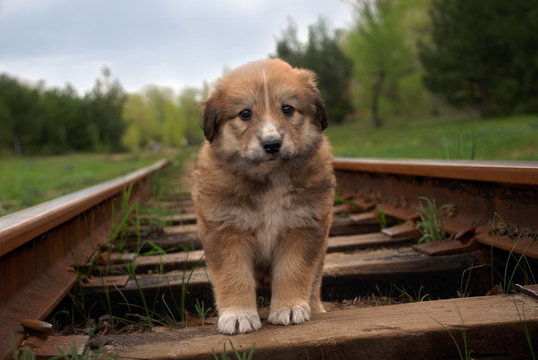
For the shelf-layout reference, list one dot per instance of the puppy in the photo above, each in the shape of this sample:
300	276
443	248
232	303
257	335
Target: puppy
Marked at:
263	190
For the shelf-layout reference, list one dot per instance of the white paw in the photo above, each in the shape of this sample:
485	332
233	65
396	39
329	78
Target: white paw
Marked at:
286	316
242	321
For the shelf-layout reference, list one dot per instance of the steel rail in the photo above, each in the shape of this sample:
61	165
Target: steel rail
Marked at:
513	172
39	244
22	226
485	195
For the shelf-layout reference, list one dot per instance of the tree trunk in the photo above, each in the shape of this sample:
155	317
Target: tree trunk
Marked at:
376	93
17	146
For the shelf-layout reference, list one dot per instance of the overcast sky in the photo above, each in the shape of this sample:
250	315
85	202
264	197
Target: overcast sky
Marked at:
170	43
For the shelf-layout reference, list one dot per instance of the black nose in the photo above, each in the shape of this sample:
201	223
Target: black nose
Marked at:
272	146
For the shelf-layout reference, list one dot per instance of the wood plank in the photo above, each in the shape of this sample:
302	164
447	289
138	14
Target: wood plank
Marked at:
363	241
176	219
47	348
173	261
177	237
181	205
405	331
152	263
403	213
355	224
171	242
341	209
181	229
351	274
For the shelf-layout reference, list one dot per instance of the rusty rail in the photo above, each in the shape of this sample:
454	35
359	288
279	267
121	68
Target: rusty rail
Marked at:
513	172
38	244
484	194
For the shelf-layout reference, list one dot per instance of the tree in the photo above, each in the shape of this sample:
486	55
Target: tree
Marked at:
382	57
37	120
190	101
157	115
483	54
323	55
105	106
19	115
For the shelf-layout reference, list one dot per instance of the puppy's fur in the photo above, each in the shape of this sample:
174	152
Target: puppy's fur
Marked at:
263	191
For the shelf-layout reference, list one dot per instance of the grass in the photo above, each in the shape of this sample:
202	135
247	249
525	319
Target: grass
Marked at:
464	352
202	311
431	220
30	181
224	355
24	354
525	328
419	296
522	269
508	138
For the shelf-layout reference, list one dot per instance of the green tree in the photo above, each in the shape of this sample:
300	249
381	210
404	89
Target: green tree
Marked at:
19	115
105	106
158	116
38	120
323	55
382	56
484	54
141	123
190	101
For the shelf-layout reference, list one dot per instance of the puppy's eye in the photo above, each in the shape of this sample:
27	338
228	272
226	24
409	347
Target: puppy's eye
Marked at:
288	110
245	115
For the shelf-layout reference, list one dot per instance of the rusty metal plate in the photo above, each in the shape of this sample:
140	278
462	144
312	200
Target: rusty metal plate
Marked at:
407	229
531	290
445	247
522	245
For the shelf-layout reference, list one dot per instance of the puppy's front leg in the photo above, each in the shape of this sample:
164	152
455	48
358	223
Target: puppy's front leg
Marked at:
231	268
294	269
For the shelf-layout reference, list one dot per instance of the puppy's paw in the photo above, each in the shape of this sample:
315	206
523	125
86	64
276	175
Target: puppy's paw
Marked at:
239	322
285	316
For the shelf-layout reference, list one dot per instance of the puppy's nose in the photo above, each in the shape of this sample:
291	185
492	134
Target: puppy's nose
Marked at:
272	146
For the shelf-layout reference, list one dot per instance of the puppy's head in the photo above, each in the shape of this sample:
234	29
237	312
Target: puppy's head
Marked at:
264	112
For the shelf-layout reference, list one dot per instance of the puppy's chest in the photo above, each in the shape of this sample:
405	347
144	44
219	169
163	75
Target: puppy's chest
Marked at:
279	210
276	210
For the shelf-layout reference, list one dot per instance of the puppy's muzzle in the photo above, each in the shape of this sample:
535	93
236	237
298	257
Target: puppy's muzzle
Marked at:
271	139
272	146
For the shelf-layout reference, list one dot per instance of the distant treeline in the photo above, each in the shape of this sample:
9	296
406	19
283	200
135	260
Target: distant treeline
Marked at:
407	59
36	120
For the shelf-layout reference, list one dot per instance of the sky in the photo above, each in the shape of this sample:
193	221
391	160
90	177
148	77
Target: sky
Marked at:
169	43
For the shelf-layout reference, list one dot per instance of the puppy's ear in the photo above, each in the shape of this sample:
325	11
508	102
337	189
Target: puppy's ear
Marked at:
210	117
320	110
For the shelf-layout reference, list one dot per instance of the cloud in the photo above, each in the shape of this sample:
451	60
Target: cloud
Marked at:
173	43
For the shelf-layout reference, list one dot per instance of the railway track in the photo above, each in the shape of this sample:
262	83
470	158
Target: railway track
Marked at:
66	263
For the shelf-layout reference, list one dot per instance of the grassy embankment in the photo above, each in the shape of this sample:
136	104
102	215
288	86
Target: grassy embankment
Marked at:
25	182
513	138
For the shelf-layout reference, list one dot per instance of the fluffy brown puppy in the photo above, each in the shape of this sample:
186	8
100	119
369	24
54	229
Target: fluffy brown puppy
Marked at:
263	191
